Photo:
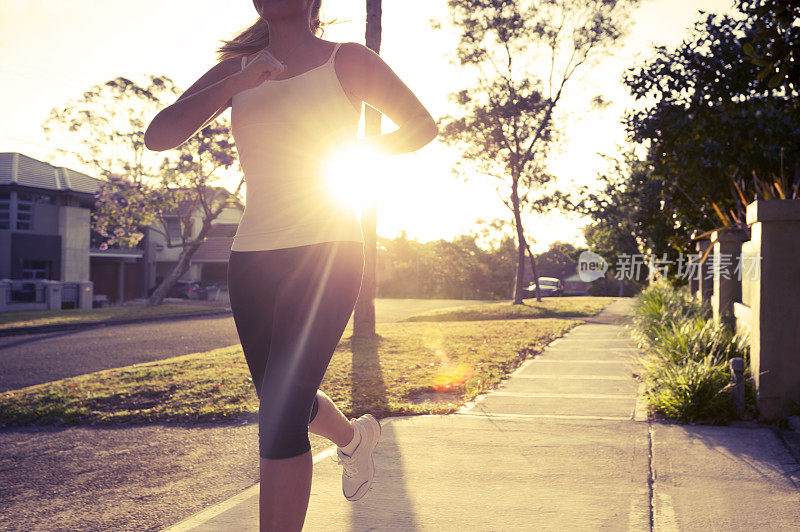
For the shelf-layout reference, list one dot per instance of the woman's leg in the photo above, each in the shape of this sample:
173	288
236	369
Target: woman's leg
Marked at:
313	304
253	280
284	492
330	422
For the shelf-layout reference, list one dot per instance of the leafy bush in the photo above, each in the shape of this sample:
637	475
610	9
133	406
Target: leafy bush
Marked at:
686	356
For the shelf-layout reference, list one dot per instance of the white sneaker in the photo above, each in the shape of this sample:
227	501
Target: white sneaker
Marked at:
359	469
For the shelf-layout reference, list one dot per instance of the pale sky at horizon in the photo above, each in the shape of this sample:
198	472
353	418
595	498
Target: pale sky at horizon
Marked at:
53	51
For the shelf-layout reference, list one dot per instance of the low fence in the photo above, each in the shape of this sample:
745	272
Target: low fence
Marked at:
18	295
761	297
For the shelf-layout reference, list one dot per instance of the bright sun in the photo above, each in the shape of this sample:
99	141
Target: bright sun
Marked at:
353	175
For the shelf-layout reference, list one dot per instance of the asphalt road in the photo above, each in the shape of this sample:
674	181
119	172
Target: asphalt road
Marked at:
37	358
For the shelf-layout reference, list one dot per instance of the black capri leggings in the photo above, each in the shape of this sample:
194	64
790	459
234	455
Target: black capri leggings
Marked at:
291	306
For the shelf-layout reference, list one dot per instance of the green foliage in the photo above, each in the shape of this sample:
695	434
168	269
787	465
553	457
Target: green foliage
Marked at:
457	269
775	47
686	356
711	121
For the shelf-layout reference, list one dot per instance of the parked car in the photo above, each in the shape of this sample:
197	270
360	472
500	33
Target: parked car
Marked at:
185	290
549	286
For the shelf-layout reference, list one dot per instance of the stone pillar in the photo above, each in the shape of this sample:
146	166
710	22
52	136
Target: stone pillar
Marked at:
775	311
85	294
5	288
705	282
52	294
727	285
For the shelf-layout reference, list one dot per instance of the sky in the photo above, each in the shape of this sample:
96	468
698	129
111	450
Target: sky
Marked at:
53	51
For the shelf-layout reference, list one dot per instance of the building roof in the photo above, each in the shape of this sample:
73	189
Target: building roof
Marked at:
214	249
222	230
19	169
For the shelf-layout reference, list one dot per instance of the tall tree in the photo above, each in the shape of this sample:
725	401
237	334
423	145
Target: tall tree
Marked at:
506	126
139	189
710	122
364	313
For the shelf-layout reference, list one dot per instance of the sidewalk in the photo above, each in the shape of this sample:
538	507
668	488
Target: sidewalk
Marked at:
561	445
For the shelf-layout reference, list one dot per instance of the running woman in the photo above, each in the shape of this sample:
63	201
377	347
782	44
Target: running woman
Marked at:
297	258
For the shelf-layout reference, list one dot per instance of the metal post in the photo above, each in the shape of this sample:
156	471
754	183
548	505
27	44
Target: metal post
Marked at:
737	378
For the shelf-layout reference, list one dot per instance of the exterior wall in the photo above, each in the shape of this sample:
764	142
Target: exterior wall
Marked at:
228	216
28	246
775	312
73	226
45	219
5	254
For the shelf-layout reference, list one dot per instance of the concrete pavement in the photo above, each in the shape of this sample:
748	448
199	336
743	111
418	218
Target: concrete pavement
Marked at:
563	444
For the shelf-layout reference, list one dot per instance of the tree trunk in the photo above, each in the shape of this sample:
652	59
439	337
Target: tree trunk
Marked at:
364	314
520	245
535	273
184	262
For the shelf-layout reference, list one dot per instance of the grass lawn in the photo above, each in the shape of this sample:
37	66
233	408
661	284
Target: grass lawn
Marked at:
48	317
414	367
550	307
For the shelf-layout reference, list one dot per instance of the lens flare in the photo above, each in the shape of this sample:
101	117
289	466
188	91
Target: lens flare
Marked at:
353	174
452	377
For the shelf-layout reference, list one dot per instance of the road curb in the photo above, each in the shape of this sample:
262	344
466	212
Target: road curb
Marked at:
87	324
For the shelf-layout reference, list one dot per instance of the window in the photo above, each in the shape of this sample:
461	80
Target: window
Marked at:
173	227
25	210
5	210
36	269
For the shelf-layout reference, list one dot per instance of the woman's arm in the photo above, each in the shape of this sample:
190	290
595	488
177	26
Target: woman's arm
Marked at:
374	82
206	99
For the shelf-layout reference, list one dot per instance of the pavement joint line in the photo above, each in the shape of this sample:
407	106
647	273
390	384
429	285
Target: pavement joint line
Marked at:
567	395
562	346
650	476
566	376
540	416
562	361
592	336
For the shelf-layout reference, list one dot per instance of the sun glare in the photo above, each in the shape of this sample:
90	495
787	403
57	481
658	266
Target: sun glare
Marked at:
353	175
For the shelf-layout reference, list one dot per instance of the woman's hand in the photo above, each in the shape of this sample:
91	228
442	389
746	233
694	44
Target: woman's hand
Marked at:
258	68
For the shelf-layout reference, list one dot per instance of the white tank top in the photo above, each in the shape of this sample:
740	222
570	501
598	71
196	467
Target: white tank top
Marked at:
284	131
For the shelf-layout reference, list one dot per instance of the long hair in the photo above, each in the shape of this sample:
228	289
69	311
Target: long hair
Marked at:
256	37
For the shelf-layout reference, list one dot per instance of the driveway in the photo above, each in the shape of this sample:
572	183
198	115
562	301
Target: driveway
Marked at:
37	358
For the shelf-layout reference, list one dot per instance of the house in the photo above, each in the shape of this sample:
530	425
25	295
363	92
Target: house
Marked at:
45	234
210	261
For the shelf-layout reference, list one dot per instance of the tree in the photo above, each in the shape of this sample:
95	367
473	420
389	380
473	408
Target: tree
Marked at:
139	191
629	217
775	47
456	269
364	313
711	122
506	127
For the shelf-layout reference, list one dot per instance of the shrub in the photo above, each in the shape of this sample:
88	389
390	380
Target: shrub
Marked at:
686	356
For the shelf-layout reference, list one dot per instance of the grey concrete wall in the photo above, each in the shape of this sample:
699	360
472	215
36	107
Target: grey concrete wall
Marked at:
775	310
73	226
727	284
5	254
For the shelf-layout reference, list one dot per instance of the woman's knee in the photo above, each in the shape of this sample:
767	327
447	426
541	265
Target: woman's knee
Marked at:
283	444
